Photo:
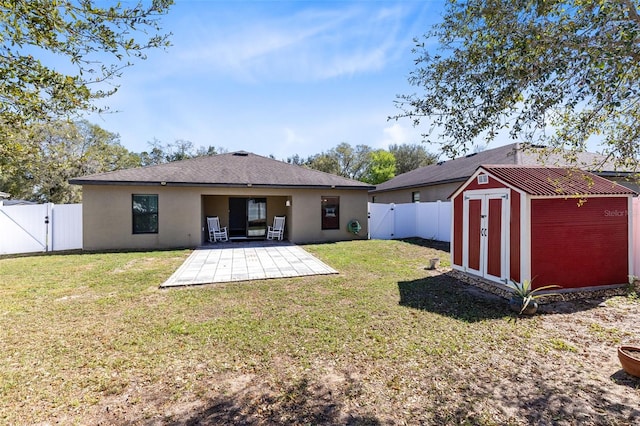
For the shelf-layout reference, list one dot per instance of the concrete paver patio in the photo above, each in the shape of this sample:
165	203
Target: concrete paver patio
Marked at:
242	261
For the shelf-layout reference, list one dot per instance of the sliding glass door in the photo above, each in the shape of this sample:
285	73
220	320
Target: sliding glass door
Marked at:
256	217
247	217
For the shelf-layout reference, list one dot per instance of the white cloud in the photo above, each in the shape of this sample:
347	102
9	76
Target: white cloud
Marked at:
291	144
291	138
400	134
312	44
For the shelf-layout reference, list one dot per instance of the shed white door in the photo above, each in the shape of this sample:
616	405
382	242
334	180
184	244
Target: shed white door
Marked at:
485	233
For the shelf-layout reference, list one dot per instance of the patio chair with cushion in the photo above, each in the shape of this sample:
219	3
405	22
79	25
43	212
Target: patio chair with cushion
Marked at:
216	233
277	230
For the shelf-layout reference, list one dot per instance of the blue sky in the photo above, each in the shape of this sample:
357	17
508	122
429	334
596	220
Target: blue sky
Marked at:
274	77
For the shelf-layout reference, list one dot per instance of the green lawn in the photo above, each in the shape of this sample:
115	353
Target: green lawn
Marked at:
91	339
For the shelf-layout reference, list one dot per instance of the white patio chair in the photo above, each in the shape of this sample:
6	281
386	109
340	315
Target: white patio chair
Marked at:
216	233
277	230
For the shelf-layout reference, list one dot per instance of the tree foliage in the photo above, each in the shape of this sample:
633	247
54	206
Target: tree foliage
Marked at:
54	152
296	160
180	149
381	168
343	160
556	72
410	157
366	164
96	43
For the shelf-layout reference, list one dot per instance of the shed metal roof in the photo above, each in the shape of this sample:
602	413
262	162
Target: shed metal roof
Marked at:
555	181
231	169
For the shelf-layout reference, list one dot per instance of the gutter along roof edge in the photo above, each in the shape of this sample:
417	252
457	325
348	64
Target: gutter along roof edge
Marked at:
215	185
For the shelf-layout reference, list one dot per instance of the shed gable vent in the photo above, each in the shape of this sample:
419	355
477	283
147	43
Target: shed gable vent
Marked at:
483	179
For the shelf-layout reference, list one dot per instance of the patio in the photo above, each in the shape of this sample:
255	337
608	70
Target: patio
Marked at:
247	260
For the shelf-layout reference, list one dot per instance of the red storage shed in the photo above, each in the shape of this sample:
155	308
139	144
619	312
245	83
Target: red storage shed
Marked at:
557	225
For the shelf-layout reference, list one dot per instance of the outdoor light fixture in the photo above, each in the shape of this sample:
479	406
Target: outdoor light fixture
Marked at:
163	183
287	203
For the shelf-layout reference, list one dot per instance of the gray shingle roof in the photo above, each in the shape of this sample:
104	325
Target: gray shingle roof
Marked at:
230	169
459	169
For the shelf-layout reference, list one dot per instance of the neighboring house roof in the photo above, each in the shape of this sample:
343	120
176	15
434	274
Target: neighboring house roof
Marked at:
555	181
235	169
4	195
459	169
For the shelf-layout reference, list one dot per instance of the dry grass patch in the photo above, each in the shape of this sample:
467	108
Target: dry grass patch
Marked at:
90	339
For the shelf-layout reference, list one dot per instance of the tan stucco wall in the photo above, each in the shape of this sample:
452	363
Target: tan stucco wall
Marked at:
427	194
307	215
107	215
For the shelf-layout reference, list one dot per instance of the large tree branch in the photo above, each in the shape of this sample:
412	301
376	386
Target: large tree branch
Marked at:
633	12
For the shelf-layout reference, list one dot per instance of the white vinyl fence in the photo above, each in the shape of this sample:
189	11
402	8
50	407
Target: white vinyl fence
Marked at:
426	220
40	227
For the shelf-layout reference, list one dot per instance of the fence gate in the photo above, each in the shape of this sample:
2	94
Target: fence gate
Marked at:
24	229
381	221
40	227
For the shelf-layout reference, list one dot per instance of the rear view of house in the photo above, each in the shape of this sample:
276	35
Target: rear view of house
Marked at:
166	205
553	225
